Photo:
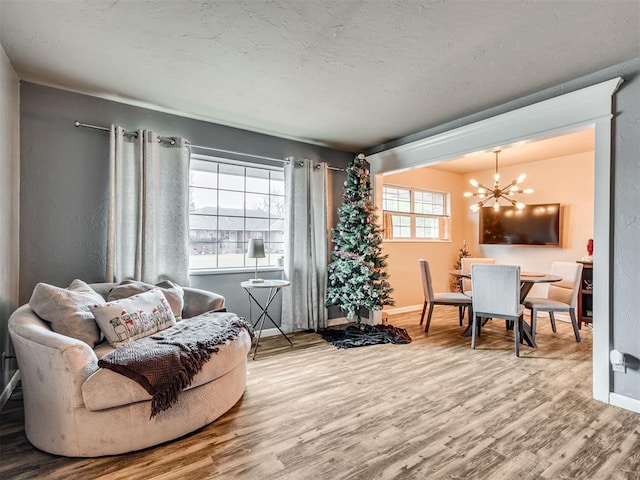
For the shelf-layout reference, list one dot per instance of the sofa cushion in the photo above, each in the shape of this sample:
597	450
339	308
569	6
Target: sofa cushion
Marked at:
123	321
67	309
173	293
107	389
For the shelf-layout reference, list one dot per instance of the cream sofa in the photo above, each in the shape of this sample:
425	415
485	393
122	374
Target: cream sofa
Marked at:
74	408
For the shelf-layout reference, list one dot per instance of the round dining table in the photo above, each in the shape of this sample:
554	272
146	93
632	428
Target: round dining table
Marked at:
527	281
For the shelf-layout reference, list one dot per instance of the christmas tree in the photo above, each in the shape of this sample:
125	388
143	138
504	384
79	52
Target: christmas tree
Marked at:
357	275
456	283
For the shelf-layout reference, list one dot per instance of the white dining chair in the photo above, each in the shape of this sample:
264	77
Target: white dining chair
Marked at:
496	294
562	296
465	267
431	299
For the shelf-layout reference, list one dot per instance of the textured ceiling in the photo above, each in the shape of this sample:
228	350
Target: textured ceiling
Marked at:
346	73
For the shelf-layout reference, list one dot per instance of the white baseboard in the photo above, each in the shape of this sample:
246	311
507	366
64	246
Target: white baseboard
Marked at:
268	332
627	403
8	390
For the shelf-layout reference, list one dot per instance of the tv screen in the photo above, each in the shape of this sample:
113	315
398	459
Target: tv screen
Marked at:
533	225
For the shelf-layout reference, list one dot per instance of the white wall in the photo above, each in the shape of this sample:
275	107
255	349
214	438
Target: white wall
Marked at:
9	200
568	181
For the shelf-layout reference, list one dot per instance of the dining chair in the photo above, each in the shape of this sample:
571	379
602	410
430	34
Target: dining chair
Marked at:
431	299
562	296
465	267
496	294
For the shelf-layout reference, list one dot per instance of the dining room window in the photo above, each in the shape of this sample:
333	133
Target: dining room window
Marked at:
415	214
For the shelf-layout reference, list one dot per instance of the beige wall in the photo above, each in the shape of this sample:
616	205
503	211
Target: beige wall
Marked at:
566	180
9	212
404	274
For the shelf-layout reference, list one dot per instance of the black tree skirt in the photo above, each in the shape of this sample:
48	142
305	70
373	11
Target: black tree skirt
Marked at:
354	336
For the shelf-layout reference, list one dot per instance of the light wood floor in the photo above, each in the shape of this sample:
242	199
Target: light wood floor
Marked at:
428	410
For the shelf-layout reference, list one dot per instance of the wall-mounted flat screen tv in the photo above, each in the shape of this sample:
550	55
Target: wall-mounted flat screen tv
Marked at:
533	225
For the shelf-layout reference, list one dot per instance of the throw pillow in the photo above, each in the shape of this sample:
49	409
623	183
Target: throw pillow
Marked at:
123	321
67	309
172	292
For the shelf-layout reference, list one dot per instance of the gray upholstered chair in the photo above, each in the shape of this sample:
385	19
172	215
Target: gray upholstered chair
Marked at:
562	296
496	294
431	299
465	267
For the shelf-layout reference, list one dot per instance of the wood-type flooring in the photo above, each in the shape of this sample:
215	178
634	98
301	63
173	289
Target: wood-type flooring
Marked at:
432	409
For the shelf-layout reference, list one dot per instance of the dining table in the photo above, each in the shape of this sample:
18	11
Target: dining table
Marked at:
527	281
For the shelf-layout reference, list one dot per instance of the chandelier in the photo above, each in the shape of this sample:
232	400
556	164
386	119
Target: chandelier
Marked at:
485	194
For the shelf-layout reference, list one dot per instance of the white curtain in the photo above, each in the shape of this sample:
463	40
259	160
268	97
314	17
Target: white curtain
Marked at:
305	246
148	223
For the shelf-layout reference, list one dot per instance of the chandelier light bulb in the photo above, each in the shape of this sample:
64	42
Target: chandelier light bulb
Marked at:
507	193
528	191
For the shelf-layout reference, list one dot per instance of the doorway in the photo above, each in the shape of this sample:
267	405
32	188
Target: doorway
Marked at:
569	112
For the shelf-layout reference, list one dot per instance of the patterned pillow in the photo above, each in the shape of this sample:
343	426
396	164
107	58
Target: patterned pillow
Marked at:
172	292
126	320
67	309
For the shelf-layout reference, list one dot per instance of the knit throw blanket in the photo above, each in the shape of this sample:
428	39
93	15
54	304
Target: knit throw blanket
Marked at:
166	362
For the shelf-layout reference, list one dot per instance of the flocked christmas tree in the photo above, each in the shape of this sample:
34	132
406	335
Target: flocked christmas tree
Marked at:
357	274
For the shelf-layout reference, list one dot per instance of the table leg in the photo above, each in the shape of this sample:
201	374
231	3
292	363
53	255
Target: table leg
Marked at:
264	314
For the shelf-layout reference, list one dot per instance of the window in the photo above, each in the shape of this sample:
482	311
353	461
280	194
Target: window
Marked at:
415	214
229	203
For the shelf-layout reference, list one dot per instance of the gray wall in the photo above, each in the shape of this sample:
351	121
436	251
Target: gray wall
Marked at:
9	211
625	257
64	182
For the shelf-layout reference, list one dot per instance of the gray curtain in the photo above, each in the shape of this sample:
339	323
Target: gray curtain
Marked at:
148	223
305	246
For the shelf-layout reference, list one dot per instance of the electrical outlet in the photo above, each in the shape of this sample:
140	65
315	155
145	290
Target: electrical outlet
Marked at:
618	363
619	367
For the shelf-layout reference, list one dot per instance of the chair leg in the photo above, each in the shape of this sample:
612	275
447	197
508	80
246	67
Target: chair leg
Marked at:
516	327
534	319
424	309
461	309
553	322
574	322
426	328
473	331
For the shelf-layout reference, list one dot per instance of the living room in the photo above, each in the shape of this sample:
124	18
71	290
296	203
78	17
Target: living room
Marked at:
54	207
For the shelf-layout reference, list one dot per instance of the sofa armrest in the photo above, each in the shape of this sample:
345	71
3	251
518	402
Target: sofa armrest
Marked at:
197	301
52	366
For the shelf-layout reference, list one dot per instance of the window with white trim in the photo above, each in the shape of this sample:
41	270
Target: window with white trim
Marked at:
415	214
231	202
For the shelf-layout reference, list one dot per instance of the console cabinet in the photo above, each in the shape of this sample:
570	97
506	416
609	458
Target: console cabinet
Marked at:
585	296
